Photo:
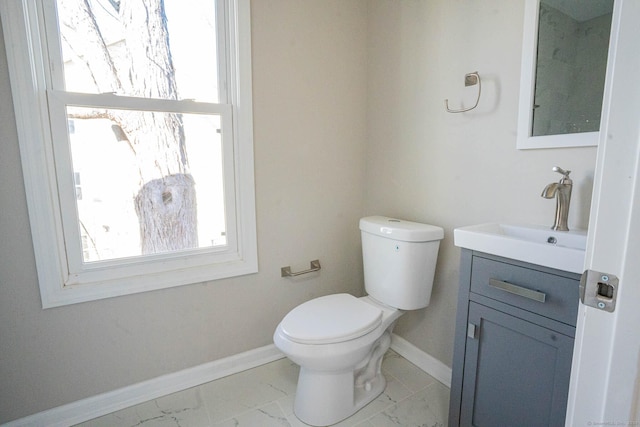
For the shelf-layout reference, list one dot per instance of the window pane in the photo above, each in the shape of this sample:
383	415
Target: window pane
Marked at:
146	182
143	48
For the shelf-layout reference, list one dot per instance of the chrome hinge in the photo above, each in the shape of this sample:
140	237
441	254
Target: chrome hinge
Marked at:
471	331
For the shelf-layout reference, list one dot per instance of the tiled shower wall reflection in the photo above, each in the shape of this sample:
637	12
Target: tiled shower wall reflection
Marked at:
571	65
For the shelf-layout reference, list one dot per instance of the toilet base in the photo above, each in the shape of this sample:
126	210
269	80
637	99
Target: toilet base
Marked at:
315	406
325	398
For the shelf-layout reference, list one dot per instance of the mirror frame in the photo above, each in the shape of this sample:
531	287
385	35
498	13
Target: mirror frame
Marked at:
527	88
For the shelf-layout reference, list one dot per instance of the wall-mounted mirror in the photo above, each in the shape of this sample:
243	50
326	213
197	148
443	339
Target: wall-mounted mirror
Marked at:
564	63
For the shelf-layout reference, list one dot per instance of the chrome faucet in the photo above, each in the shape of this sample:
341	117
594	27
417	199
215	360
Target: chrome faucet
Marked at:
562	192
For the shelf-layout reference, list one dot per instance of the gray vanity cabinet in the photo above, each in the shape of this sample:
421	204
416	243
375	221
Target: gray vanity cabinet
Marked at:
514	337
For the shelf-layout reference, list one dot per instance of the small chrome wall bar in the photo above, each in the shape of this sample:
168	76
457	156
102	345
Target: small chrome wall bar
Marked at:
286	271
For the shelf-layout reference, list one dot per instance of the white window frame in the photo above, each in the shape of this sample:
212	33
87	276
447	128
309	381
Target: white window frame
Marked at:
23	25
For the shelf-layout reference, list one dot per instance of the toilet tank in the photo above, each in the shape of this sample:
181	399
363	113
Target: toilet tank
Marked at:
399	259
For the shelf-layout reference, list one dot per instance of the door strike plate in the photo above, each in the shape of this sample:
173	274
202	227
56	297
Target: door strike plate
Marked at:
599	290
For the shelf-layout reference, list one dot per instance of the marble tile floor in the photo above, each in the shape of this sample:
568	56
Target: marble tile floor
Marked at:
263	397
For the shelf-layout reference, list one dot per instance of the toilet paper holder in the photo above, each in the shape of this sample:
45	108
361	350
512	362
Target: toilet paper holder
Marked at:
286	271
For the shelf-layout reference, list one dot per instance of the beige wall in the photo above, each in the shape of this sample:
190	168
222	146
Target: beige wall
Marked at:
349	120
427	165
309	66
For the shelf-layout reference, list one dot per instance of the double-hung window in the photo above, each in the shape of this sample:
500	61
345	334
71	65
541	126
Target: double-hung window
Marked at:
135	130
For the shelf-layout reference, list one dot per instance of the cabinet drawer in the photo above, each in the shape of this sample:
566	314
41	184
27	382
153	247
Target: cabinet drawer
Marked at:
546	294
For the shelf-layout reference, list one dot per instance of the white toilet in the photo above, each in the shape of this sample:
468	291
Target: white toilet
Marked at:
339	340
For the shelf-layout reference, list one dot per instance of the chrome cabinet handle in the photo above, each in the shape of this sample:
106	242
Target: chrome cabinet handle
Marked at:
518	290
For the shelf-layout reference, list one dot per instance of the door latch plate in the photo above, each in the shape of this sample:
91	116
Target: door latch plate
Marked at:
599	290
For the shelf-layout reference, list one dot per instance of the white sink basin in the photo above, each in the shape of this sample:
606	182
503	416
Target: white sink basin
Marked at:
540	245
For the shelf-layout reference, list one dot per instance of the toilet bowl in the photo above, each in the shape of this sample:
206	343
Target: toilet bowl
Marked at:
340	358
339	340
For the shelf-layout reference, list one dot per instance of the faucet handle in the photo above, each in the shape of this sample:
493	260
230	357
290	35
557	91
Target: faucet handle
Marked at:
561	171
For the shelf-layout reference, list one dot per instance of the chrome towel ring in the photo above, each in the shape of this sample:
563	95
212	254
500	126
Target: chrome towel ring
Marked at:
470	79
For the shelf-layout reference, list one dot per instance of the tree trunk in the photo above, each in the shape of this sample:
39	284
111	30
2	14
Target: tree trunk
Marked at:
167	207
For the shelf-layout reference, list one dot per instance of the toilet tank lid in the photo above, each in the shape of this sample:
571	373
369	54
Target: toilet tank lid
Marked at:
330	319
398	229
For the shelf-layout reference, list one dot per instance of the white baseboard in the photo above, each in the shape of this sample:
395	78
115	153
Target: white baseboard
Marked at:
422	360
102	404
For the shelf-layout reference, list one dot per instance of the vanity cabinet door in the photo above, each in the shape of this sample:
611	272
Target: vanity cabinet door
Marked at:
516	373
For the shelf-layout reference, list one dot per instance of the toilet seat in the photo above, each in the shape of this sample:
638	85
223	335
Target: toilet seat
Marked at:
330	319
